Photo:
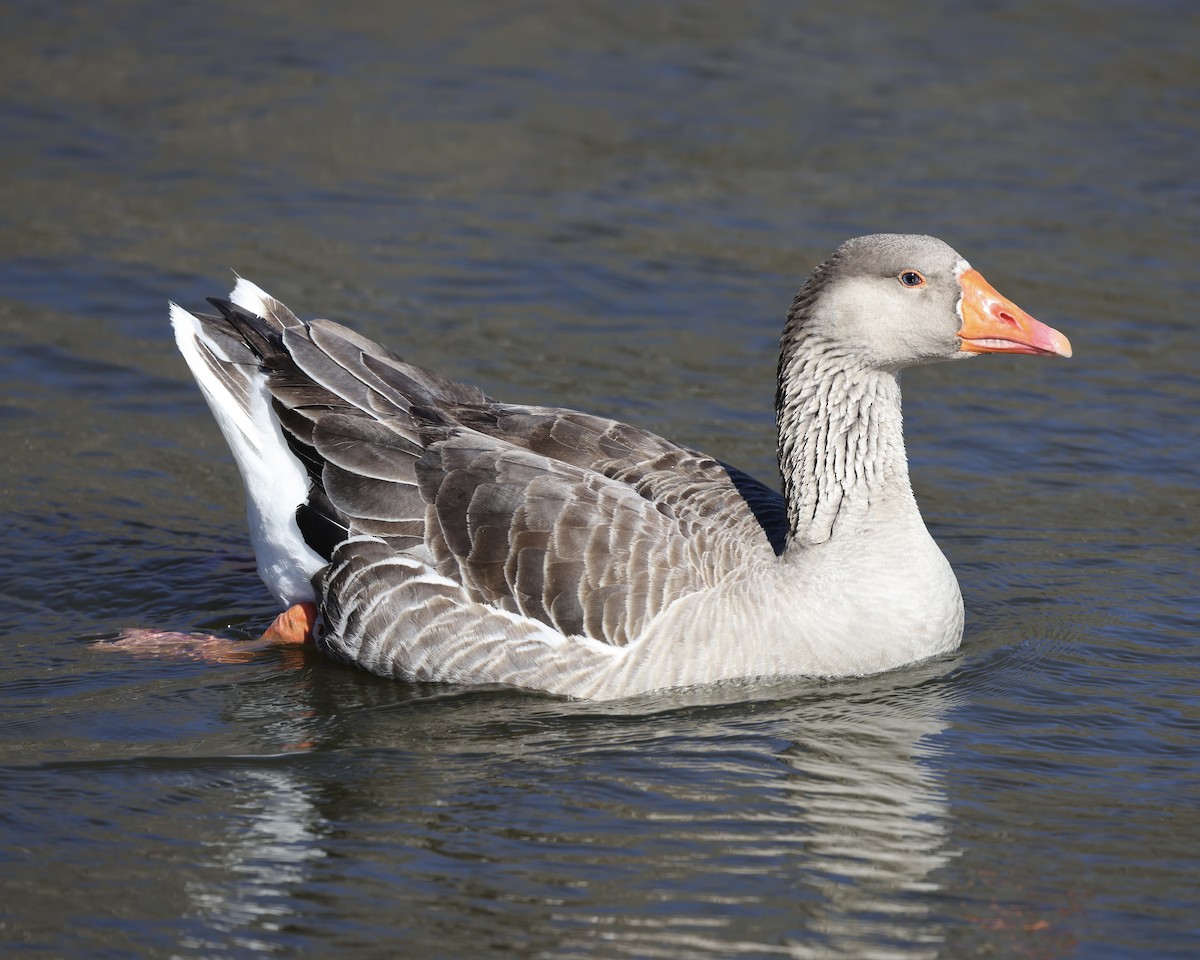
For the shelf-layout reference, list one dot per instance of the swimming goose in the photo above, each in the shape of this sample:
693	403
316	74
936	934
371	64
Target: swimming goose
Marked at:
418	528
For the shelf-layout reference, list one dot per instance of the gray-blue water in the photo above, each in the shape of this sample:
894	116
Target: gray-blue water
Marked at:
607	206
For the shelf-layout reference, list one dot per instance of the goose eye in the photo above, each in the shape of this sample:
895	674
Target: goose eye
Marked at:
911	278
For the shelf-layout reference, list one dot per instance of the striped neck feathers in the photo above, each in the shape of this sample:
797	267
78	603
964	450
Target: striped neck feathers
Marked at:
841	440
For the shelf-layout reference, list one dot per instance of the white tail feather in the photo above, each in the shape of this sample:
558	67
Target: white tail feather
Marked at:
250	296
275	480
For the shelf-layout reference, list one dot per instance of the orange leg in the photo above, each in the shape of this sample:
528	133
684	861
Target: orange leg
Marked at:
294	626
292	629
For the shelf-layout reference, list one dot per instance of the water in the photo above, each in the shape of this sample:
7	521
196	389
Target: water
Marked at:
607	206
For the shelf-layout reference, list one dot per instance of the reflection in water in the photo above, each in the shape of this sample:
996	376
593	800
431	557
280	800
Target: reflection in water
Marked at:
695	830
878	822
258	865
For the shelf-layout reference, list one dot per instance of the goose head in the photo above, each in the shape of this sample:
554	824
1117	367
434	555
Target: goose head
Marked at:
890	301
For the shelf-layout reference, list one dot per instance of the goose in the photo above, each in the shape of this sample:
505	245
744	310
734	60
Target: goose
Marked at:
416	527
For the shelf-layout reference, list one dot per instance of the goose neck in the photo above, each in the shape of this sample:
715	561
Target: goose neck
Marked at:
841	442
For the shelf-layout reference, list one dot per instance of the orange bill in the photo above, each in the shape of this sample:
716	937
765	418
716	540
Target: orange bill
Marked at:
994	324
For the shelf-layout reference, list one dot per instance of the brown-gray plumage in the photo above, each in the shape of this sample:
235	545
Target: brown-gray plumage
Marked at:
448	536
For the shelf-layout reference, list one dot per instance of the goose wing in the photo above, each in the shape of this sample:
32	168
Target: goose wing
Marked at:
585	524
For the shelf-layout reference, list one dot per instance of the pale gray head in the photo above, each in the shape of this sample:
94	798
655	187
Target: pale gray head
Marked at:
889	301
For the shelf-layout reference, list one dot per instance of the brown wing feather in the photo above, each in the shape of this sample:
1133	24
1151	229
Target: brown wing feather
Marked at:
536	536
682	481
584	523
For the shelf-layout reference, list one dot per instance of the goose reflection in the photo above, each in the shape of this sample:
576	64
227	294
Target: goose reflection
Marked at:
815	827
810	824
867	790
245	893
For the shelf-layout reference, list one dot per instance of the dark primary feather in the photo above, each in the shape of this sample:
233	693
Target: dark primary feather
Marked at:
584	523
